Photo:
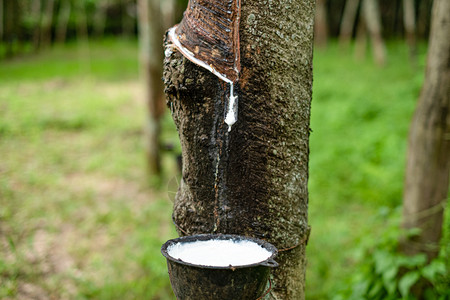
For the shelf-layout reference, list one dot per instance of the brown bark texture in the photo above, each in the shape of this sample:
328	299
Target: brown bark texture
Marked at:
428	158
252	180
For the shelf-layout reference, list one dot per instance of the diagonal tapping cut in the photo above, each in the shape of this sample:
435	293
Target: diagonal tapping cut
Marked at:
208	36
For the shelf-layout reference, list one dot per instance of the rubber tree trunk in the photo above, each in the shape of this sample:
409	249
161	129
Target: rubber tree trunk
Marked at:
361	40
428	159
2	19
321	24
151	35
36	12
63	20
252	180
348	22
128	19
372	18
46	24
13	16
81	22
100	18
409	21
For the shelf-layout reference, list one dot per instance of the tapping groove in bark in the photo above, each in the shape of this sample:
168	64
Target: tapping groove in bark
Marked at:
253	180
210	33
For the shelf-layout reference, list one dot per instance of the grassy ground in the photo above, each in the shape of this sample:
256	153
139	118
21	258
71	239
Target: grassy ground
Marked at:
77	216
360	120
78	219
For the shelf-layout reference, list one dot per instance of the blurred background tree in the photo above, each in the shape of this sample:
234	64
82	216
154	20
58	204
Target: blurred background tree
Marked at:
31	24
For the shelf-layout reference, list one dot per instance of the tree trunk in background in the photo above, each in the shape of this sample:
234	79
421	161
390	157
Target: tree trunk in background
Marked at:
36	12
409	21
253	180
151	35
46	24
168	9
100	18
372	17
428	159
12	15
321	24
423	18
63	20
1	20
128	19
348	22
361	40
81	21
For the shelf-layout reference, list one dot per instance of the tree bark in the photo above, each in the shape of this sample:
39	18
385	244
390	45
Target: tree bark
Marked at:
1	20
409	21
361	40
12	31
428	159
321	24
100	18
348	22
36	12
81	21
372	17
151	35
63	20
252	180
46	24
128	18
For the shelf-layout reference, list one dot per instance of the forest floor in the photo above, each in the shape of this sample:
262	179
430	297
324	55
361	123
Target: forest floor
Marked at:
79	217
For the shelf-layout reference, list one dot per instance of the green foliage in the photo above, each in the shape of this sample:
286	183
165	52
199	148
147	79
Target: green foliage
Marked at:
360	120
384	273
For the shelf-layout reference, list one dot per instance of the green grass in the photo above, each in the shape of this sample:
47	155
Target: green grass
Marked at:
78	218
360	119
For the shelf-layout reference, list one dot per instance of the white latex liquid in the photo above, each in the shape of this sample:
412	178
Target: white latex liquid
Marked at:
232	113
231	116
219	253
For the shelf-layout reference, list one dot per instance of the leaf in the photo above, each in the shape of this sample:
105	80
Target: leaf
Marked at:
435	268
412	261
407	281
413	232
375	290
389	281
383	261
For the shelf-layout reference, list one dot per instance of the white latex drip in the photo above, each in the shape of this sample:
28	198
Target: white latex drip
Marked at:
219	253
232	111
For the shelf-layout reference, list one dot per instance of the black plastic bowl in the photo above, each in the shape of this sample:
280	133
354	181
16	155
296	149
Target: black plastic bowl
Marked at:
198	282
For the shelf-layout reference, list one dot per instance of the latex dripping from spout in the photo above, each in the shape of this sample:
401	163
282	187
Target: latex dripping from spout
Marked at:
231	115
